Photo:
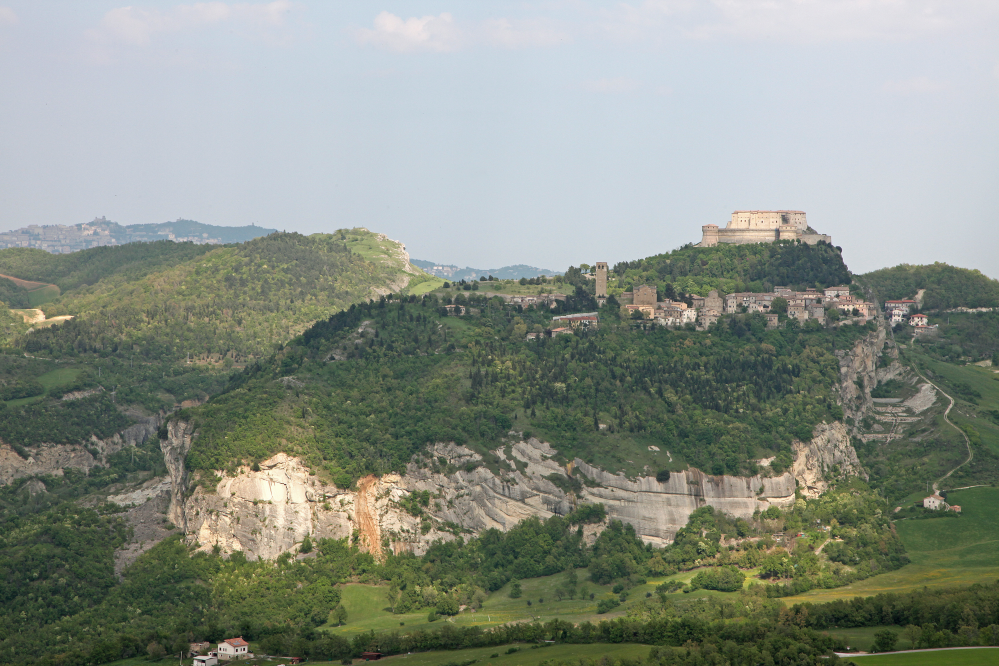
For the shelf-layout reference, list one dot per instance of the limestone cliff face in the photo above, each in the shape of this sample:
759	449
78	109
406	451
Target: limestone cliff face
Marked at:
828	456
180	435
859	372
51	459
267	512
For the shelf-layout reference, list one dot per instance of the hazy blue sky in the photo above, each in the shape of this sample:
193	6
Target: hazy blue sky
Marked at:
488	133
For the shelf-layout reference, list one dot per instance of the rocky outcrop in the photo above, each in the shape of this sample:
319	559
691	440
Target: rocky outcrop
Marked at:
180	435
872	360
827	457
51	459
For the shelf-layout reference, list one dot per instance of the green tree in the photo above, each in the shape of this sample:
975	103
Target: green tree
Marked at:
885	640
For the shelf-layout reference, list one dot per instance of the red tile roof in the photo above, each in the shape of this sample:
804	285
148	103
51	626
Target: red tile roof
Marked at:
236	642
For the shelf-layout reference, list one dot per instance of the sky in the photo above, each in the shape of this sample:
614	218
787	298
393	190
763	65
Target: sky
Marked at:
490	133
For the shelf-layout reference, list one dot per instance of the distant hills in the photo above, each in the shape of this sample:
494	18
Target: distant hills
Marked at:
63	239
452	272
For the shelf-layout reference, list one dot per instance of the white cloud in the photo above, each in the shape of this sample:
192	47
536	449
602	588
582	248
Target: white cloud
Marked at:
793	20
441	34
915	86
430	33
138	26
611	86
7	16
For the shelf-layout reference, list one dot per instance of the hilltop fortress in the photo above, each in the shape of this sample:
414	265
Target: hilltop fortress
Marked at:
762	226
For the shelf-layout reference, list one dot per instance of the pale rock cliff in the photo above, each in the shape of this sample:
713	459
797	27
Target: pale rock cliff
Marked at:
51	459
829	455
180	435
860	374
267	512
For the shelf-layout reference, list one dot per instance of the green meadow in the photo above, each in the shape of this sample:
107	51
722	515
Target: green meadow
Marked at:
961	657
945	552
367	605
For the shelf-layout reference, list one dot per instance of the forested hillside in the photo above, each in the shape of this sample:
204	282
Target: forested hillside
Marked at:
142	311
946	286
734	268
355	403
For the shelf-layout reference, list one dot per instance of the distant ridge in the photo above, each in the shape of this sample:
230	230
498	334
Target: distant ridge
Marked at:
63	239
452	272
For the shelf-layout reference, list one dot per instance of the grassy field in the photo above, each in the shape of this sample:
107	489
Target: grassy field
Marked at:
969	657
58	377
42	295
944	551
367	605
428	286
956	380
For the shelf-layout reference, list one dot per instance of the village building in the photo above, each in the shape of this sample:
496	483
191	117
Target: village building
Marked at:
644	294
902	306
234	648
581	320
564	330
773	320
206	660
648	311
918	320
200	648
830	293
455	310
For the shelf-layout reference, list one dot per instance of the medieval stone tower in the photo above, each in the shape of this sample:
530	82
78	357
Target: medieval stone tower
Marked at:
601	279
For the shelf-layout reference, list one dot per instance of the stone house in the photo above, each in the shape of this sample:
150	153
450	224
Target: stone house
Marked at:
773	320
644	294
455	310
200	648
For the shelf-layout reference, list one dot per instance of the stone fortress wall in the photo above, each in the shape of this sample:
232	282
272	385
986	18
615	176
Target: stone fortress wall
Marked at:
762	226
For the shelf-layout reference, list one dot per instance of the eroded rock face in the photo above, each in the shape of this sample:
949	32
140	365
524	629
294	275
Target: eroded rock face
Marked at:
828	456
267	512
51	459
860	374
180	435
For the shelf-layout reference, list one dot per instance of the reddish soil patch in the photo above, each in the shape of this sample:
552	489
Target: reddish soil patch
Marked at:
367	521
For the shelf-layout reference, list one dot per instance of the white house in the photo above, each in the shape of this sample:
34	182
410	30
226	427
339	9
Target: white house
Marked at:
918	320
902	305
934	502
233	648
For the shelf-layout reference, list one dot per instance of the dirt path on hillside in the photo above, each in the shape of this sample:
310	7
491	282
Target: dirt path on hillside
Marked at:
367	521
36	317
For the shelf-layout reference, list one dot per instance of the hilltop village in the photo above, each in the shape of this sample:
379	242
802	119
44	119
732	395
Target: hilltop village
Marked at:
831	305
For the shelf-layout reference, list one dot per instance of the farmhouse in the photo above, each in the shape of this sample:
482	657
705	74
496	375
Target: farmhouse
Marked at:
234	648
918	320
934	502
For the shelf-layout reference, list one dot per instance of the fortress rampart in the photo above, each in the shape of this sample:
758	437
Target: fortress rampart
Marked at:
762	226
